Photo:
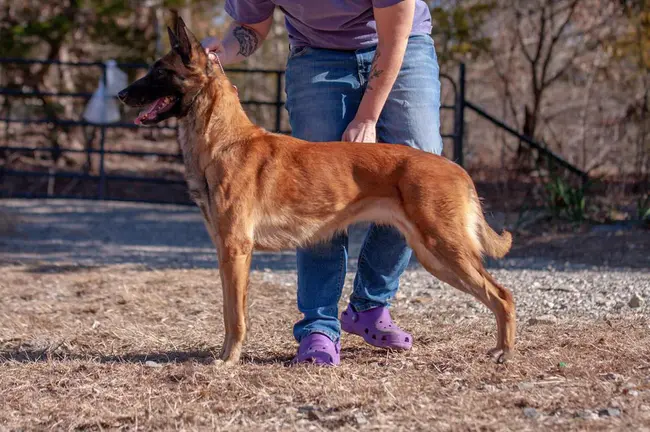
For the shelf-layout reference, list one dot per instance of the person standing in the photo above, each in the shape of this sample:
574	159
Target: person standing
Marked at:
358	71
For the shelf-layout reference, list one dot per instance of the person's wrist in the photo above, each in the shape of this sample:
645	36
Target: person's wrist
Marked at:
367	113
366	119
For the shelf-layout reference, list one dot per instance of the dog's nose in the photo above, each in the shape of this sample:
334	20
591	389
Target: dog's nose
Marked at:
122	95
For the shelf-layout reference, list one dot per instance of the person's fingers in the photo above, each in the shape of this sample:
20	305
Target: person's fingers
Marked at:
206	42
346	135
212	44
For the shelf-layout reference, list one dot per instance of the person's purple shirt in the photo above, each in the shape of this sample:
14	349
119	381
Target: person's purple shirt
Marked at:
332	24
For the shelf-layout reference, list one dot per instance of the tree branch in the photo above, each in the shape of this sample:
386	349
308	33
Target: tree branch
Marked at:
542	33
520	39
502	75
562	70
555	38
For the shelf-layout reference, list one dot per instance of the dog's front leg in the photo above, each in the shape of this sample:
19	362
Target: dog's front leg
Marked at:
235	252
210	225
199	193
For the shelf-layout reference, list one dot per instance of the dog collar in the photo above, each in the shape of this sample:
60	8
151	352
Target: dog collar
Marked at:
215	58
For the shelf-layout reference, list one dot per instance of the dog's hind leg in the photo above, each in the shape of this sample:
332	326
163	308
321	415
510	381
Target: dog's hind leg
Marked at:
504	307
466	273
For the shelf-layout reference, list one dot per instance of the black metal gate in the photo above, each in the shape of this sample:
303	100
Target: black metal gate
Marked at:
95	181
141	172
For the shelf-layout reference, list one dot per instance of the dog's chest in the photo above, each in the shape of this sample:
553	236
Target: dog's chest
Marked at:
194	174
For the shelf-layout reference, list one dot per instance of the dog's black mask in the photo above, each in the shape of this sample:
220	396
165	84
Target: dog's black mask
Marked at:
171	85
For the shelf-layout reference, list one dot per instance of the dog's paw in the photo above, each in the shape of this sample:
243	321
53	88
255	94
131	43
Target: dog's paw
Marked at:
499	355
229	357
225	363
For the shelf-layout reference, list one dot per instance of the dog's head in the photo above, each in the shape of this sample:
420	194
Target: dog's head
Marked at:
173	82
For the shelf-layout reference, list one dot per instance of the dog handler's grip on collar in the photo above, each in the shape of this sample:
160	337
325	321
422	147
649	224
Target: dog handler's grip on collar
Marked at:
212	56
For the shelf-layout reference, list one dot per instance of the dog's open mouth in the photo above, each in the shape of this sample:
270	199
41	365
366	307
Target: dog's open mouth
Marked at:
159	106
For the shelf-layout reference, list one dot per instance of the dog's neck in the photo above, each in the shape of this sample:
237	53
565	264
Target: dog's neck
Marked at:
215	120
217	114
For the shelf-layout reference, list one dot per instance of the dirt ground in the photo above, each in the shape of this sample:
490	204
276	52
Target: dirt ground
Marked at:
110	318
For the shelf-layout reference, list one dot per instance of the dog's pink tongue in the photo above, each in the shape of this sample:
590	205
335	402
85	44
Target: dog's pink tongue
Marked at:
150	112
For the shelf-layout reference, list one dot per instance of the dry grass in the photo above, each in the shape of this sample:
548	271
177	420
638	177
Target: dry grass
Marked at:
74	346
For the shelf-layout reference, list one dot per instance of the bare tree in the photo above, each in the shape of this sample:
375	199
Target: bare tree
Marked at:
536	44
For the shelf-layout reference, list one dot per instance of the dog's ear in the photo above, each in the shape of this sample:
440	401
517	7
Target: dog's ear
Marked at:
188	44
173	40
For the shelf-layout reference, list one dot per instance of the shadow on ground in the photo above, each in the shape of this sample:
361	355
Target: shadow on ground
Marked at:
203	356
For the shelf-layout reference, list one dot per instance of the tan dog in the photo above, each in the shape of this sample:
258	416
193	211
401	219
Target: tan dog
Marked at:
265	191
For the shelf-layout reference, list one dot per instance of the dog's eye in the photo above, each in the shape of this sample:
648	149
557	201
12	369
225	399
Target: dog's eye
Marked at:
160	73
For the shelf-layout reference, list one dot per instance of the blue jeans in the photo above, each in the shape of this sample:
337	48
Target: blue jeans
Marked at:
324	89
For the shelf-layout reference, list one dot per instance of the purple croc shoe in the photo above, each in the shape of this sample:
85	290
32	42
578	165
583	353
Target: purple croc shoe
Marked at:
318	349
376	327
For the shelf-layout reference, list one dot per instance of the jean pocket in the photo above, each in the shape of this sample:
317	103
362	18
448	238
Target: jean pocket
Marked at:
422	39
299	52
421	48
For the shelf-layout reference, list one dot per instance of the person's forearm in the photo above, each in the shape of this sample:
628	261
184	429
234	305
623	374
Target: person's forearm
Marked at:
240	41
384	71
393	27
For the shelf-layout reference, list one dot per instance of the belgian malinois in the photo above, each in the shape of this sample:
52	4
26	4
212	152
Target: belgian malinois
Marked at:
267	191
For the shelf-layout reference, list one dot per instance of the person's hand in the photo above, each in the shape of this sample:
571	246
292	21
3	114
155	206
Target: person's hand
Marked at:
212	44
361	131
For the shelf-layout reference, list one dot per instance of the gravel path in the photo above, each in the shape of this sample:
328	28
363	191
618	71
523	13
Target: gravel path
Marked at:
59	236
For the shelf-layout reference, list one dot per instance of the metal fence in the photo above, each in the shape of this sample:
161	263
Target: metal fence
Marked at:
86	181
98	176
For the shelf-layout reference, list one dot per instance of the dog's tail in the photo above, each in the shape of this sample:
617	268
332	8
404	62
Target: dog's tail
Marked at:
490	243
494	245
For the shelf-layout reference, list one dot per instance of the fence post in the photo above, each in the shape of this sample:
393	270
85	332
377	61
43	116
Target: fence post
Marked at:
459	116
101	188
278	101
